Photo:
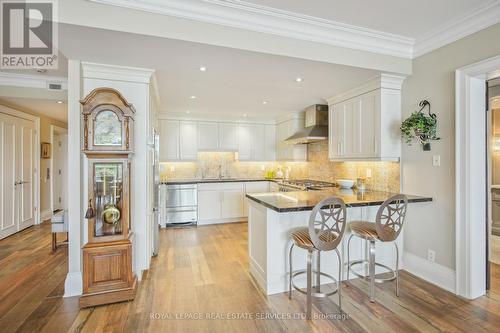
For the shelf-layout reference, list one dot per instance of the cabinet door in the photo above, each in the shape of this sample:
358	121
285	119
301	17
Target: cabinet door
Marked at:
188	140
244	143
228	137
209	205
258	142
169	140
337	131
280	141
208	136
368	122
232	203
270	142
350	130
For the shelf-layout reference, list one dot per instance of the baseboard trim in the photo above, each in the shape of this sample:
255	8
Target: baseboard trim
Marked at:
45	215
73	286
436	274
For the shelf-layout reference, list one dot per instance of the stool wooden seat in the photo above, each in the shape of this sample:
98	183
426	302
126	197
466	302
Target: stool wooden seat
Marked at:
386	228
327	224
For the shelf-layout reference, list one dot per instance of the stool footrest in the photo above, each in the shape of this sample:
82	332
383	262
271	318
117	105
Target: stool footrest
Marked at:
315	294
366	262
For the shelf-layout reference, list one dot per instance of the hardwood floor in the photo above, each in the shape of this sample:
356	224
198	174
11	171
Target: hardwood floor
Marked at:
203	272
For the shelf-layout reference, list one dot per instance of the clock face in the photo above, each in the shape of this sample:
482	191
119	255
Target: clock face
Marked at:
107	129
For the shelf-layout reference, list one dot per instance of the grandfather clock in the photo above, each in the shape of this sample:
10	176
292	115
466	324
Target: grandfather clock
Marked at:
107	123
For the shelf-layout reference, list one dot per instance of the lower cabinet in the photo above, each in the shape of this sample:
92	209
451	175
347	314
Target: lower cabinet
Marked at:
226	202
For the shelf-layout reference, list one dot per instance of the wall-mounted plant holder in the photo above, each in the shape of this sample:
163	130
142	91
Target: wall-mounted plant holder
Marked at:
420	125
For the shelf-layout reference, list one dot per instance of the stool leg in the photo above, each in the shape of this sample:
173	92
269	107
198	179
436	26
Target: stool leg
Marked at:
372	270
397	269
54	242
340	279
291	273
348	256
318	275
309	283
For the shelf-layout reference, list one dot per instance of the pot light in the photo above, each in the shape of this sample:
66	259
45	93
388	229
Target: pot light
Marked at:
264	102
192	97
203	68
244	114
299	79
59	102
188	112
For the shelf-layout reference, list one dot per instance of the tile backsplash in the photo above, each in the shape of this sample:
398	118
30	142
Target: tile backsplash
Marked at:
385	176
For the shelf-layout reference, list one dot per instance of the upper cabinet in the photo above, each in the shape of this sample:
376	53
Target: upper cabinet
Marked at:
256	142
364	122
285	151
217	136
178	140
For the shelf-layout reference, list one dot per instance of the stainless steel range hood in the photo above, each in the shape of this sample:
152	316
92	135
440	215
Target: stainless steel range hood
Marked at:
316	126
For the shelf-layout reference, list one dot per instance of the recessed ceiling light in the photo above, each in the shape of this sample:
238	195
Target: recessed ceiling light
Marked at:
264	102
187	111
299	79
244	114
192	97
203	68
59	102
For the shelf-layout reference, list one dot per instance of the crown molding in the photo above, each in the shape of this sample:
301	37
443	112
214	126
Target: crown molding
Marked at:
474	21
382	81
117	73
245	15
31	81
215	117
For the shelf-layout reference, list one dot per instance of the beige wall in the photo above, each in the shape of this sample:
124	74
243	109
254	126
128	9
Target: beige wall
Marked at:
434	79
45	123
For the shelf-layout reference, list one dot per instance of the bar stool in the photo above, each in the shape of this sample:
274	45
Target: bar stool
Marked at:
327	224
388	224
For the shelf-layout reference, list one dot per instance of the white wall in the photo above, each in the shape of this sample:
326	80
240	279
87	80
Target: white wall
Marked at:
434	79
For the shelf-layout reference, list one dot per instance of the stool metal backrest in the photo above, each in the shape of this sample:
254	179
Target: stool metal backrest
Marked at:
390	217
327	223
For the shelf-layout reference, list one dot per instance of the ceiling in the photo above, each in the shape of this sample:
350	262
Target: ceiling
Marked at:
235	83
408	18
45	107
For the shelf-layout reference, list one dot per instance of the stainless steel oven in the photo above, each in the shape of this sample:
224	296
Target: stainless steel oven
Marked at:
181	204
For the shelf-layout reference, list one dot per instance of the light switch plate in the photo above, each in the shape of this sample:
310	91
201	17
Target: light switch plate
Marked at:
436	160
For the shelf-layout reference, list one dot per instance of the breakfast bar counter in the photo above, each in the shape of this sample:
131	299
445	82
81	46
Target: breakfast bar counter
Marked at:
273	215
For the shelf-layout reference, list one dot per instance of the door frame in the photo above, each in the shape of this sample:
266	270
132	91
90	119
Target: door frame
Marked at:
20	114
59	130
470	175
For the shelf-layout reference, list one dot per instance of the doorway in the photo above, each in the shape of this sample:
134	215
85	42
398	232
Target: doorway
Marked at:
59	161
19	160
493	193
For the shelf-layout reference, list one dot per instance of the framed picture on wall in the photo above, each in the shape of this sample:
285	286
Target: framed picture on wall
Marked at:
45	150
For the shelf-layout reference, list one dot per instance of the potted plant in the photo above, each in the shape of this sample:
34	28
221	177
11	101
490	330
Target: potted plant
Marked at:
420	125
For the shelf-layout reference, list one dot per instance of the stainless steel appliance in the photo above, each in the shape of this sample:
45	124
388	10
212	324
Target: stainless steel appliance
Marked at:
181	204
303	185
316	126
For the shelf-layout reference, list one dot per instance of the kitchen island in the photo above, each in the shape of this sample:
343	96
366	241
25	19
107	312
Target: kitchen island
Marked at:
273	215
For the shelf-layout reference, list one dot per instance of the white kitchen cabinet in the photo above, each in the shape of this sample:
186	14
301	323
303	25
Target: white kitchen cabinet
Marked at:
209	205
255	142
188	140
208	136
228	136
364	125
286	151
254	187
169	140
270	142
232	202
220	202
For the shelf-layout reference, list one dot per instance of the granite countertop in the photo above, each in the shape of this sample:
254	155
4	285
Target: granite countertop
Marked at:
306	200
213	180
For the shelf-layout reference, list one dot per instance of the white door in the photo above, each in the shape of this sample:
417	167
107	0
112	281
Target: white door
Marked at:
245	144
209	205
270	153
368	124
258	143
17	154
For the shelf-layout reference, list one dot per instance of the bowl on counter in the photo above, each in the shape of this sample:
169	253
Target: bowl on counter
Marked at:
345	183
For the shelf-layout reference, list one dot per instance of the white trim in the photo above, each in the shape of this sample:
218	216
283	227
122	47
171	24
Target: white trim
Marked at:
249	16
73	284
436	274
116	73
215	117
470	176
45	215
31	81
36	120
53	129
385	81
474	21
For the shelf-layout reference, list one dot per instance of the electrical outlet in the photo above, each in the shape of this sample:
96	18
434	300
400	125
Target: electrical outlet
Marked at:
436	160
431	255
